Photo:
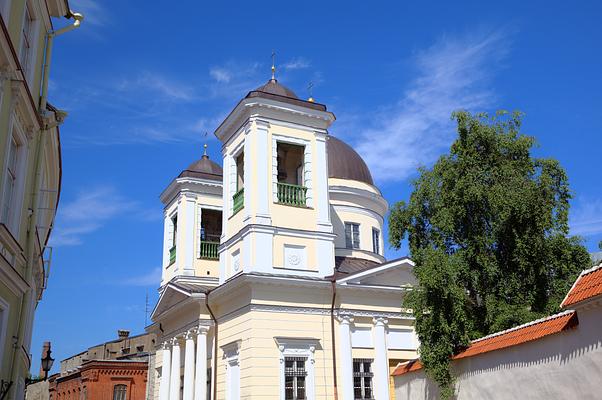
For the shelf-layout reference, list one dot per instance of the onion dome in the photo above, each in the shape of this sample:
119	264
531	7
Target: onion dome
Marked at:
204	169
345	163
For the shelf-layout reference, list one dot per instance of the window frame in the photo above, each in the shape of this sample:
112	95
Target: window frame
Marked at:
13	216
352	241
123	391
295	373
299	348
375	240
29	60
363	375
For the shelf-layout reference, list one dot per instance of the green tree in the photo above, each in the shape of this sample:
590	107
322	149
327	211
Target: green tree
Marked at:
488	230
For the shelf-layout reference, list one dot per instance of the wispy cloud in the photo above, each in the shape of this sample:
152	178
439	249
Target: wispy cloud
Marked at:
87	213
296	63
452	74
586	217
151	278
160	85
220	74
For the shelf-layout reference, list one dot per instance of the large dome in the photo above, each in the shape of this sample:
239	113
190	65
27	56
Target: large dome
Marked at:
345	163
203	168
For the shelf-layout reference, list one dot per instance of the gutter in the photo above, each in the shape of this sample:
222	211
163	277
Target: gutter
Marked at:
78	18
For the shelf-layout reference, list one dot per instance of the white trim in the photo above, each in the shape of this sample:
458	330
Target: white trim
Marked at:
299	347
307	165
403	262
231	353
246	108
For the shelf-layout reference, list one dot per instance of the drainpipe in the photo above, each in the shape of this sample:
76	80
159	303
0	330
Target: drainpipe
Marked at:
214	369
78	18
333	338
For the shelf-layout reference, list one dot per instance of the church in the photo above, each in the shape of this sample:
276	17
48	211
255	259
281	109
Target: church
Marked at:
274	281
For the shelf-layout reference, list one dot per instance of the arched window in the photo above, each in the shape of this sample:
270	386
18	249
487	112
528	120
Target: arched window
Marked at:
119	392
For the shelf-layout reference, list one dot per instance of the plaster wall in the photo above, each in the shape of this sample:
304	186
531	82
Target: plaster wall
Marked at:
567	365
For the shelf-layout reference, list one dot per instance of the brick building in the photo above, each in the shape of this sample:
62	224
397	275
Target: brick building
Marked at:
102	380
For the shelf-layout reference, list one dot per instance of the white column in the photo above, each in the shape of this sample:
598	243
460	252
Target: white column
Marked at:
381	362
189	366
174	386
165	370
200	384
345	356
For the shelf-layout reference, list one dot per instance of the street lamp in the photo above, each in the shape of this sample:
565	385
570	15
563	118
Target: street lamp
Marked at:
47	362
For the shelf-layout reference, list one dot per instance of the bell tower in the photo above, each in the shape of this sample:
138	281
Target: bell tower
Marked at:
276	216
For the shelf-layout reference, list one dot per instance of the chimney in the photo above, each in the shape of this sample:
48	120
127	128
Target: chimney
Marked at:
45	348
123	334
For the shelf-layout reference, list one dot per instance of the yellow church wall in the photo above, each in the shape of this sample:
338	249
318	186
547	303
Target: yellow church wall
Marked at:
366	224
372	301
353	184
310	248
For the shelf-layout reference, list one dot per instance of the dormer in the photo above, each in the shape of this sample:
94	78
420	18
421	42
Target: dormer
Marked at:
276	208
193	221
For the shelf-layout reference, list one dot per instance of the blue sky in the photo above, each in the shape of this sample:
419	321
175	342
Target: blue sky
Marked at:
143	82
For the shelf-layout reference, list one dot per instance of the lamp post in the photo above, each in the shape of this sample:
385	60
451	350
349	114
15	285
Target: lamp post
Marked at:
47	362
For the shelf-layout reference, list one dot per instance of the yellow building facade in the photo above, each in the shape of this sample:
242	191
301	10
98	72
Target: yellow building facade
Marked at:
30	175
275	284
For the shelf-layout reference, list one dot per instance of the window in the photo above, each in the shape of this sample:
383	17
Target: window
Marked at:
27	40
11	180
352	235
375	241
119	392
294	378
240	171
362	378
290	166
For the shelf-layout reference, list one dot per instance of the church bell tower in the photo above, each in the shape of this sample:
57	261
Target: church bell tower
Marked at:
276	215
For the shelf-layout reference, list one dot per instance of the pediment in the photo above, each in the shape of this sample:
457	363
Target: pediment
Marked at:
396	273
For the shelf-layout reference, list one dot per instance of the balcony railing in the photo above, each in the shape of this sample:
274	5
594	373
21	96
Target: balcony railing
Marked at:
292	195
239	200
209	250
172	255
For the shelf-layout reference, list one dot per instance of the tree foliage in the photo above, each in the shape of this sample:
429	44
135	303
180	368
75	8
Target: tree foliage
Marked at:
488	230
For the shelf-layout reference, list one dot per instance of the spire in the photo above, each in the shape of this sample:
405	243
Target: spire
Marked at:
273	65
205	151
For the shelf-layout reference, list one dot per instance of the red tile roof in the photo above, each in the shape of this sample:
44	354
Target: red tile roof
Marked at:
521	334
588	285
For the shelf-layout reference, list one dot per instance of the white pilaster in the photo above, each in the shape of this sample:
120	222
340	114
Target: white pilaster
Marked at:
200	384
345	356
263	189
174	385
381	363
165	372
321	184
167	232
189	366
188	205
248	171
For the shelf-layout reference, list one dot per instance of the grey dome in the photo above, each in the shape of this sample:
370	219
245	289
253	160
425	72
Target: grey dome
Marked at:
203	168
345	163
